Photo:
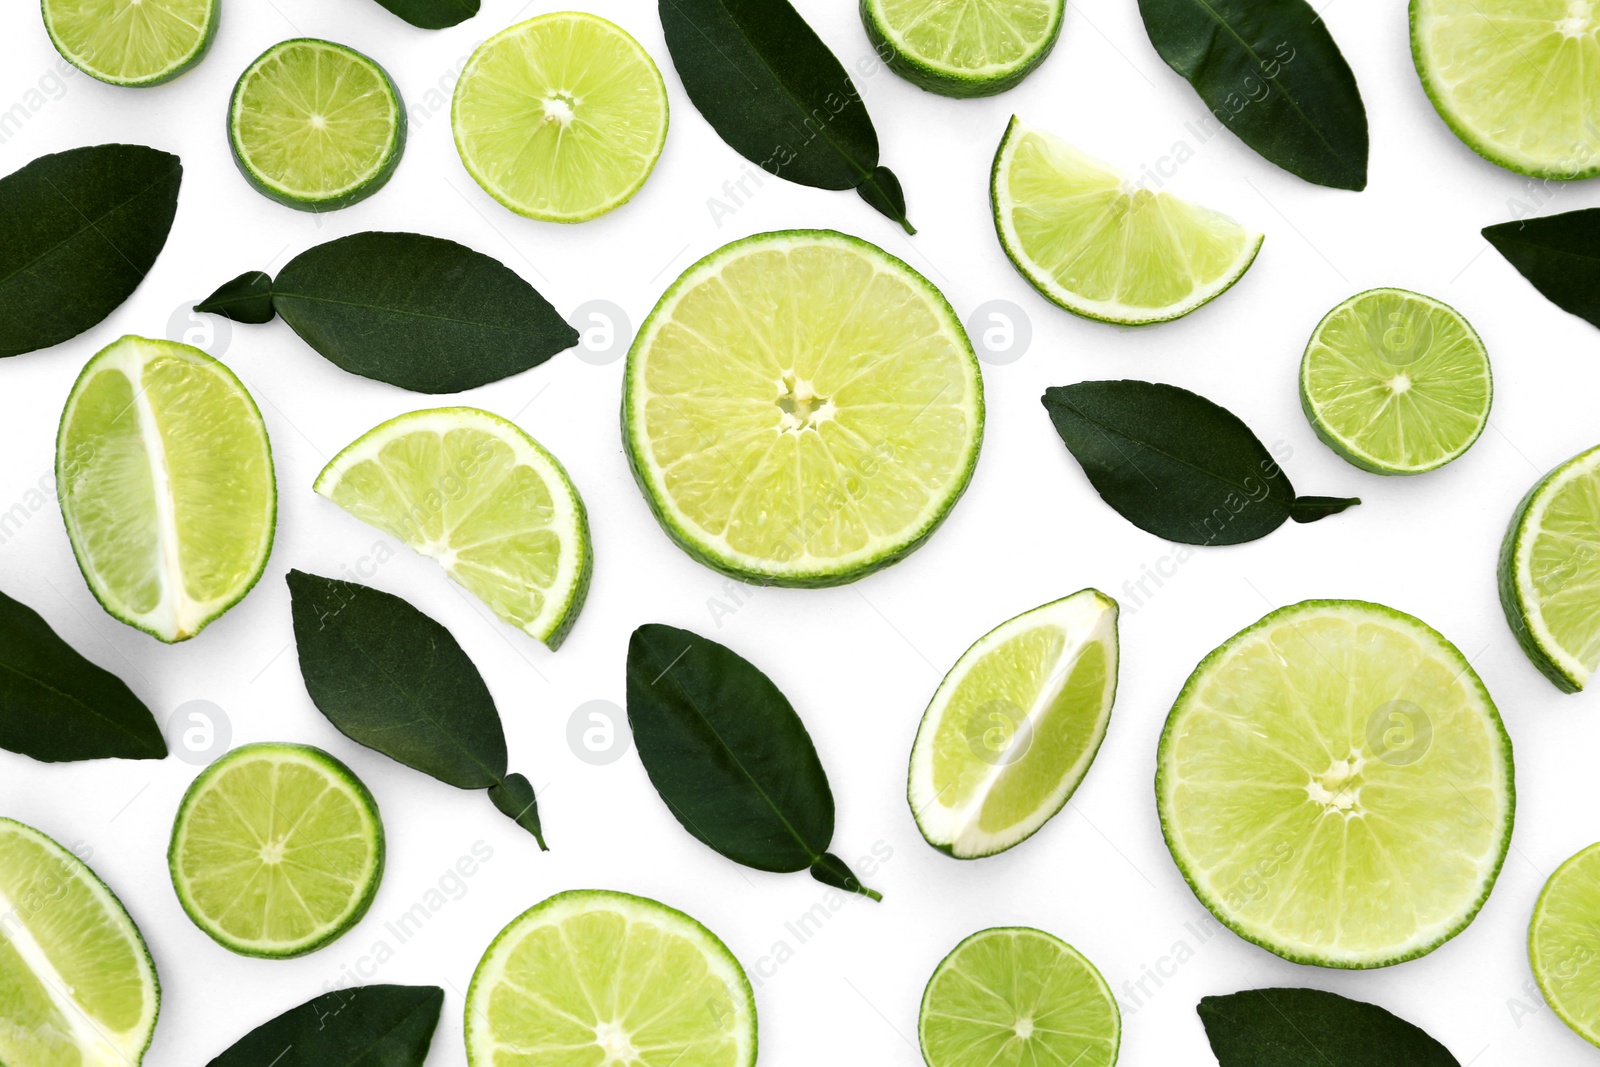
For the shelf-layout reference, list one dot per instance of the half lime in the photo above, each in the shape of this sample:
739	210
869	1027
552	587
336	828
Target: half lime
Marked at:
976	48
132	42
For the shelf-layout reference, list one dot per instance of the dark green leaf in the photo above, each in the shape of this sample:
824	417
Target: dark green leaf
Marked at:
433	14
771	88
248	298
1559	254
1175	464
391	678
1311	1028
363	1026
728	754
57	706
1270	71
82	228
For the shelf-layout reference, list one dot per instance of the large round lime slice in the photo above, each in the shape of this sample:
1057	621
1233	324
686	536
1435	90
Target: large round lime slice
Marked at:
1561	943
132	42
976	48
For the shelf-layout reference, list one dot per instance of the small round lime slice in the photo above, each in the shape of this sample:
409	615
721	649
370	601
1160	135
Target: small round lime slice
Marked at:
131	42
276	851
316	125
590	977
1396	382
977	48
1018	997
1561	943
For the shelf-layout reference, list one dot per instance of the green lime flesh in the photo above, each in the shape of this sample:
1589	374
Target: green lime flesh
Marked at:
136	43
1561	943
968	49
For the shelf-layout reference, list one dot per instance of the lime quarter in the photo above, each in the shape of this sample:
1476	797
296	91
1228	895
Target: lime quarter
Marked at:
977	48
1561	944
132	42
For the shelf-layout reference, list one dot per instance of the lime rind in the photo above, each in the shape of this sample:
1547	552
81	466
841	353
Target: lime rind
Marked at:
953	79
704	548
176	65
1561	951
1085	617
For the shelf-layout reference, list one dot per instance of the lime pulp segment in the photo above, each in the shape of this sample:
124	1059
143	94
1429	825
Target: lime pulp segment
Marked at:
1103	247
591	977
1336	786
1561	943
277	850
801	408
165	479
1018	997
1014	726
316	125
561	117
79	988
131	42
1396	382
974	48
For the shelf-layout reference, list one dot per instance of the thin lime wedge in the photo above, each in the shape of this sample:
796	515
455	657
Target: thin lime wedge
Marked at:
131	42
590	978
1014	726
1561	943
977	48
166	486
1336	786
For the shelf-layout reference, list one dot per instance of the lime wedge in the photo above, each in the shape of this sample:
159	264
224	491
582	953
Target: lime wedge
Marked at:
801	408
1514	79
1018	997
316	125
1396	382
77	987
131	42
276	851
476	493
1550	572
1561	943
1014	726
1335	785
1103	247
165	479
561	117
590	977
976	48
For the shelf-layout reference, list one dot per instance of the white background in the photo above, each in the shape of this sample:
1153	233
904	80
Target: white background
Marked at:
859	662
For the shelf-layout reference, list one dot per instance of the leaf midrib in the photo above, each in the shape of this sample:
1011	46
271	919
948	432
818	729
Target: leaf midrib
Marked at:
396	311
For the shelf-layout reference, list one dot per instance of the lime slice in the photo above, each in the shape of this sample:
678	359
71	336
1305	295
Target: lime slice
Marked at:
165	479
1014	726
1561	943
316	125
131	42
1514	79
476	493
77	987
1103	247
561	117
1335	785
977	48
1396	382
277	850
1018	997
1550	572
801	408
590	977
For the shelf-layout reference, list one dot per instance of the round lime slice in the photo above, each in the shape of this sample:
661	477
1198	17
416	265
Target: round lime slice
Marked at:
1336	786
1561	943
1396	382
476	493
131	42
977	48
590	977
1014	726
1513	79
801	408
1102	247
276	851
316	125
165	479
561	117
1018	997
77	981
1550	572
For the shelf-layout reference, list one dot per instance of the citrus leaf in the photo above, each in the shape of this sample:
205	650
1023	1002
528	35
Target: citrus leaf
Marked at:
247	298
774	92
363	1026
726	751
1312	1028
1559	255
82	228
433	14
392	679
56	706
1175	464
1270	71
